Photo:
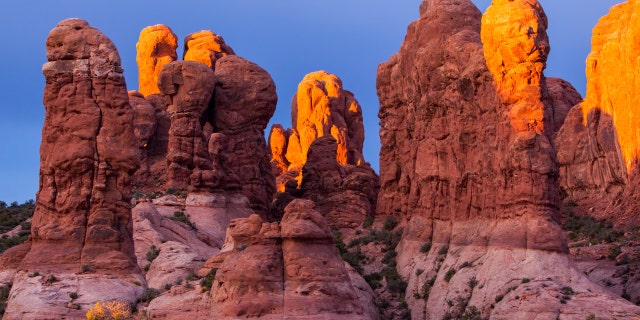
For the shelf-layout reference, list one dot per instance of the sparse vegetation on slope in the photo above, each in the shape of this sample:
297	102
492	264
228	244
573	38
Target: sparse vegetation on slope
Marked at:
12	216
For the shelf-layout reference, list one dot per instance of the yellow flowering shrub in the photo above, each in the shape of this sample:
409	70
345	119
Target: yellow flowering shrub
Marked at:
109	310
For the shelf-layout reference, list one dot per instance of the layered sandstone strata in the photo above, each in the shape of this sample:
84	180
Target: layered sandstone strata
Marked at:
468	164
599	145
81	234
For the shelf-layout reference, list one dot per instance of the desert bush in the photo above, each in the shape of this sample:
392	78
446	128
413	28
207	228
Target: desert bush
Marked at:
148	295
594	231
153	253
390	223
425	247
180	216
207	281
449	274
109	310
614	252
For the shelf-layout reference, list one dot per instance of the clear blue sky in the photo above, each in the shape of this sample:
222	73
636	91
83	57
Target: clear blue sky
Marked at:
289	38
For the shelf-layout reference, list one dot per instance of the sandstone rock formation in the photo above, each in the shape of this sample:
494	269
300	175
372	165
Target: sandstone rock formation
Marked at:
320	107
244	100
209	134
287	271
205	47
598	147
468	165
189	86
612	61
344	194
563	97
88	154
156	47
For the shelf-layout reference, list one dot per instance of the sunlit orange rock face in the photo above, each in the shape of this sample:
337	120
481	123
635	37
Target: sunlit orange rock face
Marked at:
156	47
599	144
205	47
613	76
320	107
516	47
467	165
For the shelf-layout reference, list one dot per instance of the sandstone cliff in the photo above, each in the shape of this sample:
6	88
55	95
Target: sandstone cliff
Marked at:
81	234
199	108
468	164
322	155
598	148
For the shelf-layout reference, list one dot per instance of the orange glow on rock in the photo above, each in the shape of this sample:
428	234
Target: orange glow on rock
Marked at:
516	47
206	47
613	76
156	47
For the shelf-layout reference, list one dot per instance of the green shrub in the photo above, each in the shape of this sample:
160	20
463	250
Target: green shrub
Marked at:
153	253
591	229
390	223
148	294
373	279
614	252
473	282
180	216
425	247
207	281
73	295
449	274
51	279
4	296
444	249
567	290
368	222
526	280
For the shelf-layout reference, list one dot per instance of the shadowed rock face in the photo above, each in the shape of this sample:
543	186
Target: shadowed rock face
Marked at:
286	271
345	194
88	154
468	163
244	100
156	47
189	86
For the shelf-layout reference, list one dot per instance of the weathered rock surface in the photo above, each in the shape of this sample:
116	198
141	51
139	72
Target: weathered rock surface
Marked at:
344	194
156	47
598	147
287	271
189	86
244	101
88	154
612	61
563	97
320	107
468	165
205	47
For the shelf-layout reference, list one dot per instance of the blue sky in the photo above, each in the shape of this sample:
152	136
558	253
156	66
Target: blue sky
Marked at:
289	38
